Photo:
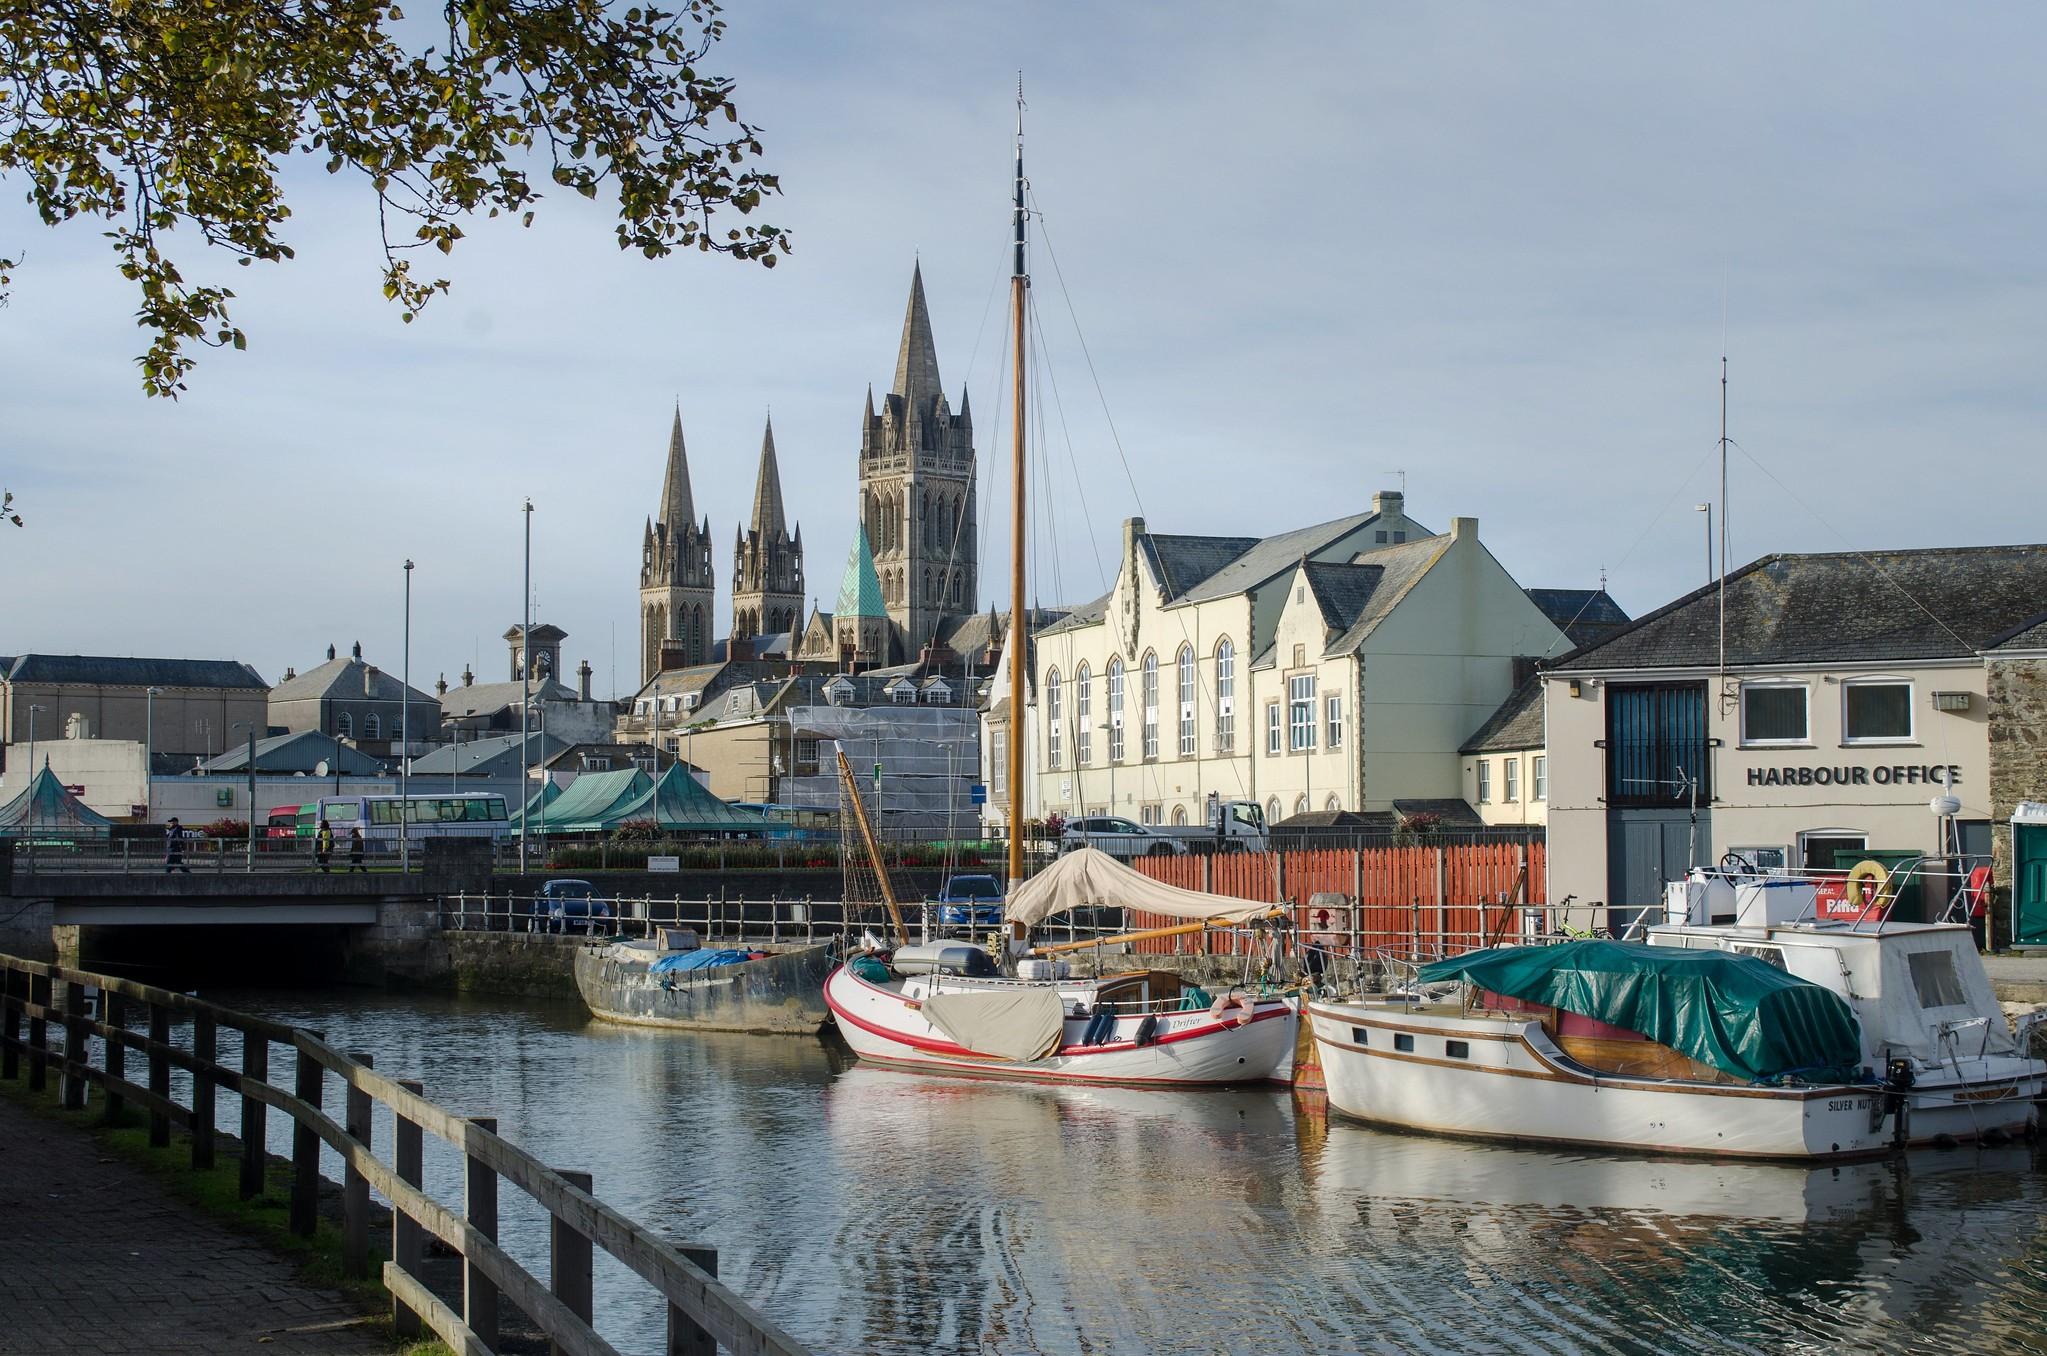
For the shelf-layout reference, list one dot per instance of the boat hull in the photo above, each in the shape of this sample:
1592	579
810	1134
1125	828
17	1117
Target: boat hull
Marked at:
1392	1066
1191	1049
781	994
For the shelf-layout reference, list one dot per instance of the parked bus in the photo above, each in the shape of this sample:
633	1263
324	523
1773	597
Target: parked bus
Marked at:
797	823
378	817
282	822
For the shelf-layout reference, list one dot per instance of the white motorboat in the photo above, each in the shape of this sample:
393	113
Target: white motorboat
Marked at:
1741	1061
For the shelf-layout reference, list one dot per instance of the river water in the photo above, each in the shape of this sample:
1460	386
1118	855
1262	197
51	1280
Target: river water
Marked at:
872	1211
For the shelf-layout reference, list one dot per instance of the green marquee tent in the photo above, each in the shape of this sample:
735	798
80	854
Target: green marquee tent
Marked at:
45	807
679	803
588	804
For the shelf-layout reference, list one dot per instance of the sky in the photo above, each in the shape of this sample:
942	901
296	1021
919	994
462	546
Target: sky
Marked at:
1303	252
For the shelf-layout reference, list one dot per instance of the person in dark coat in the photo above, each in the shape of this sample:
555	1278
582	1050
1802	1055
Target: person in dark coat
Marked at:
174	848
355	846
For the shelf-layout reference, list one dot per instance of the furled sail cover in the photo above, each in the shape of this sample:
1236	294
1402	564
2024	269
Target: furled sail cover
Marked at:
1089	876
1738	1014
1019	1025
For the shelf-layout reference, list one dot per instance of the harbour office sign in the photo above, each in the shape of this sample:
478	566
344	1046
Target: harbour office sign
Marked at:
1883	774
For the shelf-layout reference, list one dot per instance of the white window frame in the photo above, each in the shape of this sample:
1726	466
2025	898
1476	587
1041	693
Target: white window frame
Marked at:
1911	735
1149	695
1083	715
1485	781
1803	687
1225	696
1183	679
1538	783
1053	716
1300	701
1275	729
1116	749
1510	779
1332	713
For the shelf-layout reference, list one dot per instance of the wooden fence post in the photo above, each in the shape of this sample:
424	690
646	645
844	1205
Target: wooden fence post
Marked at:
159	1074
11	990
685	1336
355	1188
38	1034
255	1154
114	1012
1442	903
480	1208
308	1081
407	1238
76	1046
204	1031
570	1262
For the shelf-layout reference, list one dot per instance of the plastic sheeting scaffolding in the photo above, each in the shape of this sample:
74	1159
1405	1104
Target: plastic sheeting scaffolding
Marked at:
930	760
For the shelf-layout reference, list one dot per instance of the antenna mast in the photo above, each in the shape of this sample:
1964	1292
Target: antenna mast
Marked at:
1723	528
1019	280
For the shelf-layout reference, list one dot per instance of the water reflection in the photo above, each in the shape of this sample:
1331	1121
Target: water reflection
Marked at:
874	1211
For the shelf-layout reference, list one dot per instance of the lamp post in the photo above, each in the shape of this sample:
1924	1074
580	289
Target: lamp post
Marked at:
33	712
250	726
149	696
525	684
405	735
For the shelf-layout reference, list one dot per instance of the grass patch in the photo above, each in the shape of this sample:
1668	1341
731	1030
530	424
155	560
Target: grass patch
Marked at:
216	1192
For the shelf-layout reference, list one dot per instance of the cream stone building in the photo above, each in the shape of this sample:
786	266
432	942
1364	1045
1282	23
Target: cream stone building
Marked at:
1334	667
1853	692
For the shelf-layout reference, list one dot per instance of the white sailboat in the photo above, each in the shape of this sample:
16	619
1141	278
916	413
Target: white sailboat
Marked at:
946	1007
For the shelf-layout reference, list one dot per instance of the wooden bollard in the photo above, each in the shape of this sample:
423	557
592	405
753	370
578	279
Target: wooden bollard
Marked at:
11	993
480	1208
77	1048
308	1080
38	1033
255	1152
687	1337
408	1153
159	1075
355	1188
114	1012
571	1261
204	1042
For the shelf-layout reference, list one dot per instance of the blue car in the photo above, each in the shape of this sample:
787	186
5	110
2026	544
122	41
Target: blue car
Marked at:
571	906
970	901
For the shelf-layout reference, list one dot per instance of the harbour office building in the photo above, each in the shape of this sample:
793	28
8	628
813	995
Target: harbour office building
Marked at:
1853	693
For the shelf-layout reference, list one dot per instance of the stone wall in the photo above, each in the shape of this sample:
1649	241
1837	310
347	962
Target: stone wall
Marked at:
2018	761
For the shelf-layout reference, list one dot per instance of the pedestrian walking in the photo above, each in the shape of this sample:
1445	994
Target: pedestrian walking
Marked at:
323	844
174	848
355	851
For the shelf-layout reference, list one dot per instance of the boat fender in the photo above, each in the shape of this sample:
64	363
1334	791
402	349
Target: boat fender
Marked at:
1246	1007
1101	1026
1147	1031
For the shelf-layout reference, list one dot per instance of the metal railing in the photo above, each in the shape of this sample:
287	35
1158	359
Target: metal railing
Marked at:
194	855
91	1008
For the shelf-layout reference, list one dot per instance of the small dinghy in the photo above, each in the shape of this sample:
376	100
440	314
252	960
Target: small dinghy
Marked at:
671	981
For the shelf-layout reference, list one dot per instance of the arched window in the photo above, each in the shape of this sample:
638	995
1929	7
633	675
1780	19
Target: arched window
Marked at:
1151	706
1225	696
1116	710
1332	804
372	726
1179	814
344	725
1300	805
1272	812
1083	715
1052	713
1184	669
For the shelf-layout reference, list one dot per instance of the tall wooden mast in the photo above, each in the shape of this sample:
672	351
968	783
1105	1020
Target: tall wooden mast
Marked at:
1018	282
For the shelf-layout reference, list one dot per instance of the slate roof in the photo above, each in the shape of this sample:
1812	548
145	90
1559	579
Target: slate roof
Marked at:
475	756
2030	634
300	751
1838	607
483	699
1086	614
1261	559
117	671
1183	562
1583	615
1401	568
1342	590
1456	814
1518	724
343	679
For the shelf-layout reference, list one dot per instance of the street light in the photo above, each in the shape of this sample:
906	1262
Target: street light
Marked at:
149	696
525	686
405	734
250	726
33	712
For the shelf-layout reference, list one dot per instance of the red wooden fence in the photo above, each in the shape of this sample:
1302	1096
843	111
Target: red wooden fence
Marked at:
1424	899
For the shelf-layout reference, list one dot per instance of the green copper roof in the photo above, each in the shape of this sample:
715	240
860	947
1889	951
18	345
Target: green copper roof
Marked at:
860	590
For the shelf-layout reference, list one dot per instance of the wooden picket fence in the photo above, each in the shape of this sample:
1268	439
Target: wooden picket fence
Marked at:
1422	899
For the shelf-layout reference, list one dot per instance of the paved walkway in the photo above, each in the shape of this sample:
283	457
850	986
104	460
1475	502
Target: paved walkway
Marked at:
2018	979
95	1256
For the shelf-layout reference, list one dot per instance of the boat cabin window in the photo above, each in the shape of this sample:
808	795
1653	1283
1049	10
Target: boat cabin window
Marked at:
1360	1035
1457	1049
1773	955
1935	980
1404	1043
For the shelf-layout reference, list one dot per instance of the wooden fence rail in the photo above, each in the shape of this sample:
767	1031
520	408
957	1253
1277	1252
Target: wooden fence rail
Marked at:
702	1314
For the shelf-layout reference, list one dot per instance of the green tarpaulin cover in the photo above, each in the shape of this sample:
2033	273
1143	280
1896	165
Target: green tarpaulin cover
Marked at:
1735	1013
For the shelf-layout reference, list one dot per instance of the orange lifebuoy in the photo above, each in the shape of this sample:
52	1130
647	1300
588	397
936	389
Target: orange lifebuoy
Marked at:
1244	1004
1978	890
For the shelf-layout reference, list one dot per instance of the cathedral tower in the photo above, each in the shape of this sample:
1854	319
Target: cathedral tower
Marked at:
767	560
676	590
917	490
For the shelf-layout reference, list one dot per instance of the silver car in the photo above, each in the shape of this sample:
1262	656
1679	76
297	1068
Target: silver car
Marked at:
1119	837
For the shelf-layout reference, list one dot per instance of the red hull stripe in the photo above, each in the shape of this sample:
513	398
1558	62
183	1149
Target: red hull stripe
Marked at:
941	1047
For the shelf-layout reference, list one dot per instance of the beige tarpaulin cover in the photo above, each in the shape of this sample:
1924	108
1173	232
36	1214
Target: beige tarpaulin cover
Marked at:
1013	1024
1088	876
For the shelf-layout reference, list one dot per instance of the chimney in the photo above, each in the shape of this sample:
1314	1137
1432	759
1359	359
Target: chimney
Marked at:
369	680
330	652
356	649
290	673
583	679
468	678
1390	503
1464	527
441	686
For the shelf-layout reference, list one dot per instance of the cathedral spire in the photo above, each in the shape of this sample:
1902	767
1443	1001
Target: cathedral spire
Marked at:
768	518
917	361
678	510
